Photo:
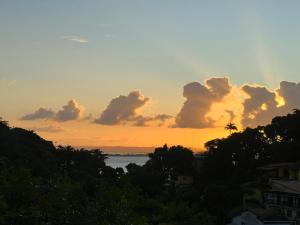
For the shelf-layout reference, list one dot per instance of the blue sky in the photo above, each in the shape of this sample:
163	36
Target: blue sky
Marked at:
93	50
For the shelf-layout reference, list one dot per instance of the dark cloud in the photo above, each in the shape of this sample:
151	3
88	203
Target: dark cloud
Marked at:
231	114
162	117
290	92
71	111
206	105
199	99
123	110
41	113
89	117
261	106
142	121
47	129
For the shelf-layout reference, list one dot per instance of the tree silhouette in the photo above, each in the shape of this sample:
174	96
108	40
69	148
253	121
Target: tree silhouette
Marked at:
230	126
3	122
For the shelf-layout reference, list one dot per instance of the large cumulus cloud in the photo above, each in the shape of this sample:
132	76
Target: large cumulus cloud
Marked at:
125	109
218	102
290	92
199	99
122	109
260	107
71	111
262	104
212	104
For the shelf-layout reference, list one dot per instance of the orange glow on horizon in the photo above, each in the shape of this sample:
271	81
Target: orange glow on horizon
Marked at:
93	135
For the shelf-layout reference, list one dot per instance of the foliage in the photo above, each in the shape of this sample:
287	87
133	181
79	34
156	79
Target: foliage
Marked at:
231	126
41	184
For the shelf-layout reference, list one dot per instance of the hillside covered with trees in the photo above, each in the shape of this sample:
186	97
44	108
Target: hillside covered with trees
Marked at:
43	184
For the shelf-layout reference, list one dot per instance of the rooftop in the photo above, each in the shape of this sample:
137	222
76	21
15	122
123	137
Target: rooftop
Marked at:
288	186
295	165
277	165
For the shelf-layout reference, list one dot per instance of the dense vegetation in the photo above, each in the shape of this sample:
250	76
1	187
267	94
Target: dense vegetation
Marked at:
42	184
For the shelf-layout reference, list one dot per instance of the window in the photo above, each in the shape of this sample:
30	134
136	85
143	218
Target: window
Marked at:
298	203
271	198
290	201
286	173
289	213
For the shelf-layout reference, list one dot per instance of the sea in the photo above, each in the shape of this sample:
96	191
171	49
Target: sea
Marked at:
122	161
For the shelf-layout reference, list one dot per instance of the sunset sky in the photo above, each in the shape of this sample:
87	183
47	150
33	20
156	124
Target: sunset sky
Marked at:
144	73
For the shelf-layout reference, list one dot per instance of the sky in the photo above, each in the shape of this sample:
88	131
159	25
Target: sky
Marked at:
143	73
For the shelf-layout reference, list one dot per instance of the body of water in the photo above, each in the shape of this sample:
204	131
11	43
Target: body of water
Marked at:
123	160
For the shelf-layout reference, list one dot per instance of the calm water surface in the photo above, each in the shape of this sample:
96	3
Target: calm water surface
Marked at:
123	161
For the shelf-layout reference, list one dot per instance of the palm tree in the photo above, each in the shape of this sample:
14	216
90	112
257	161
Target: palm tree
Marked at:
231	126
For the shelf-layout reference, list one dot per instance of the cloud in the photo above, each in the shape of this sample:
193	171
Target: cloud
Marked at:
104	25
41	113
89	117
7	82
231	114
109	35
125	110
218	102
260	107
71	111
77	39
47	129
290	92
122	109
262	104
208	105
143	121
199	99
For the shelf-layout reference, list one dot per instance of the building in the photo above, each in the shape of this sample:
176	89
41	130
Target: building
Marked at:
184	180
284	191
285	196
259	217
288	171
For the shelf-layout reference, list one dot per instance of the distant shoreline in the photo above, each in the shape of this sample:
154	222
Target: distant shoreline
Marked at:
129	150
125	154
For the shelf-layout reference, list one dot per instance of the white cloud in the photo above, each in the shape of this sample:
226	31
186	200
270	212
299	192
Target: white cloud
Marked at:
77	39
109	35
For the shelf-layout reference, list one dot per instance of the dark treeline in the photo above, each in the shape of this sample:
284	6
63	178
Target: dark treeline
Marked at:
41	184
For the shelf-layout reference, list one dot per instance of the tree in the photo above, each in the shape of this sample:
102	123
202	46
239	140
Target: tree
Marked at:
4	126
171	162
3	122
231	126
